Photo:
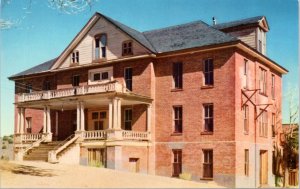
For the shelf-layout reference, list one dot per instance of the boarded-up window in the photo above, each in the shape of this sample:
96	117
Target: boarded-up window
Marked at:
207	163
246	118
177	111
246	165
177	162
96	157
177	75
208	72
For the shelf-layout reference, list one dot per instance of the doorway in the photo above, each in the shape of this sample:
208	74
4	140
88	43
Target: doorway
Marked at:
134	165
263	167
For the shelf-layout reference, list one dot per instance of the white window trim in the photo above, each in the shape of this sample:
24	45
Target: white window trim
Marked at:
100	70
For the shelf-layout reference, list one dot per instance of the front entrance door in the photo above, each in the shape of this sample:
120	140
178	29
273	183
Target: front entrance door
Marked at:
263	167
98	120
134	165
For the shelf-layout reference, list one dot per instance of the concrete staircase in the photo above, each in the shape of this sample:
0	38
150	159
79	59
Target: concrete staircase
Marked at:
40	153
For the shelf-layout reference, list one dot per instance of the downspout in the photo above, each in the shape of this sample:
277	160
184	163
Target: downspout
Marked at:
255	123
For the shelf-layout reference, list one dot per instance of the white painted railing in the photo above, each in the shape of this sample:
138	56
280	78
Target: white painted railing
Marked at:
98	134
31	137
88	89
135	135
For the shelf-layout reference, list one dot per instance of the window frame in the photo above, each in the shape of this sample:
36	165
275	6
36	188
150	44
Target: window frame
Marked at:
28	124
246	162
46	85
177	121
128	81
210	162
127	48
246	74
209	71
177	75
28	88
208	117
126	120
176	162
262	81
75	57
273	125
263	124
273	86
245	110
75	83
100	71
100	52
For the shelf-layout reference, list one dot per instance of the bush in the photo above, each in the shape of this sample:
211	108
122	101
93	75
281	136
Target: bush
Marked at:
4	158
10	140
5	138
185	176
94	163
4	147
11	136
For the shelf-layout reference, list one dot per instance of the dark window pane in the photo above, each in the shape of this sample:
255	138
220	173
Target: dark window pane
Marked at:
96	76
102	115
105	75
95	115
128	78
177	75
97	40
103	49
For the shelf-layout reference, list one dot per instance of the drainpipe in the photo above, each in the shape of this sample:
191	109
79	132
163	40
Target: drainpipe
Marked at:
255	123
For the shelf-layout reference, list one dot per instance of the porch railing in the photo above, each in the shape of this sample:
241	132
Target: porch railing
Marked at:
117	134
31	137
99	134
135	135
88	89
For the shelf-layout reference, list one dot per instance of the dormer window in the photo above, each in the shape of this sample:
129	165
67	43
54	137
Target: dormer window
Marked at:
100	75
100	46
127	48
75	57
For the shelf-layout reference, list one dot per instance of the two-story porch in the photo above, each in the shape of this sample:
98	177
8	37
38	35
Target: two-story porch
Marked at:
94	116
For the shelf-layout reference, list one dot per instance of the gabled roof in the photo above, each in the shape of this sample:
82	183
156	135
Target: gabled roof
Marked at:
36	69
185	36
243	22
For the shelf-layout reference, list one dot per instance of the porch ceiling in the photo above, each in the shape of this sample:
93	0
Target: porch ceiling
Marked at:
90	101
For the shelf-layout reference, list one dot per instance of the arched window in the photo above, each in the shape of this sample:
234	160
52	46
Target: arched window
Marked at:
100	46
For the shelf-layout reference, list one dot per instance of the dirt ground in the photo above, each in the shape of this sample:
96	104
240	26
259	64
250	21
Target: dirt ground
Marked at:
45	175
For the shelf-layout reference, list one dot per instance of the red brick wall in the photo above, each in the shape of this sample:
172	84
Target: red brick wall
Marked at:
135	152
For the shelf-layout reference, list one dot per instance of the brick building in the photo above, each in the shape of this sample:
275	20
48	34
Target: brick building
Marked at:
191	98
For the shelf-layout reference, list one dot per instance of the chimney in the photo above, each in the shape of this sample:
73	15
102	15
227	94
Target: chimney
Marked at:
214	21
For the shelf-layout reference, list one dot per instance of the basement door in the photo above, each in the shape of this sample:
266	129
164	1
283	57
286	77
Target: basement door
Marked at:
263	167
134	165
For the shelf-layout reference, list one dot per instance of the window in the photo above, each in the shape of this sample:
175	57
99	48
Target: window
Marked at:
127	48
28	88
177	75
246	166
263	124
128	78
208	117
177	111
46	85
177	162
246	118
273	124
273	86
98	119
75	80
263	81
100	46
28	124
274	163
100	75
208	164
246	74
259	46
208	72
75	57
96	157
128	119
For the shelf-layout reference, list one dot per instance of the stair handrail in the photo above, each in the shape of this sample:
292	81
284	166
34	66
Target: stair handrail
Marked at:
34	144
52	156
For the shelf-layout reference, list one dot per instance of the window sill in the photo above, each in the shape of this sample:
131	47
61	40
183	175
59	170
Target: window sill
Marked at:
176	134
207	133
127	55
74	64
206	178
99	60
263	94
207	87
176	90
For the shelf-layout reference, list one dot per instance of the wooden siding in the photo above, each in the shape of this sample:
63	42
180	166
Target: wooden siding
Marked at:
115	37
246	35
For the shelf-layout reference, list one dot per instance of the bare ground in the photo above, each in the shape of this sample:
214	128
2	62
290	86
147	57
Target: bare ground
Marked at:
45	175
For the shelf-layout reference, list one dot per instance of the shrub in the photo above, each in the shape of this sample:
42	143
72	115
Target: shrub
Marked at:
4	147
11	136
5	138
185	176
4	158
95	163
10	141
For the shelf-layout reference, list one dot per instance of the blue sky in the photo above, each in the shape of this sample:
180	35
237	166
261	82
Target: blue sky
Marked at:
42	33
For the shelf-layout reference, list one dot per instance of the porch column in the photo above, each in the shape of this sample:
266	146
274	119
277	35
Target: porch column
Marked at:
78	116
45	120
56	123
110	114
119	114
116	113
149	118
48	120
22	120
81	116
18	121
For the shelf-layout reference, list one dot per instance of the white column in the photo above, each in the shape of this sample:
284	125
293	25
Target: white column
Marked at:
45	120
110	114
149	118
48	120
119	114
18	121
56	123
22	121
115	113
78	116
81	116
